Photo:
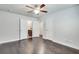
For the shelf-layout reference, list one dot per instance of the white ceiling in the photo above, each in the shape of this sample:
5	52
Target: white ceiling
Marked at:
21	9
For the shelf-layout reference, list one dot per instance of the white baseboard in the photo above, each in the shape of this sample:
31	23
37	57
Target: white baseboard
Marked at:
63	43
2	42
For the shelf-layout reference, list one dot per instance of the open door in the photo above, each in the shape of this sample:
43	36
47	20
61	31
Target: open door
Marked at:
30	33
29	23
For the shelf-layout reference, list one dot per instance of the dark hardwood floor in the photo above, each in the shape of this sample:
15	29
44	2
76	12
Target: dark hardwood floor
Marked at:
35	46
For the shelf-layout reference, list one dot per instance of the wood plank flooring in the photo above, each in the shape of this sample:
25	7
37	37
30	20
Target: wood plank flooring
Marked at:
35	46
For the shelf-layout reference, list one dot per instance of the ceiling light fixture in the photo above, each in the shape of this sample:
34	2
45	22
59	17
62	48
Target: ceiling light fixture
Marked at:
37	10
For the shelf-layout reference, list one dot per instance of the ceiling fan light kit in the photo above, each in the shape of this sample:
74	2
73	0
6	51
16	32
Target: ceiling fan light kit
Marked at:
36	11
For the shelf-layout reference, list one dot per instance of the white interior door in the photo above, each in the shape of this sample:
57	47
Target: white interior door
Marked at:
36	29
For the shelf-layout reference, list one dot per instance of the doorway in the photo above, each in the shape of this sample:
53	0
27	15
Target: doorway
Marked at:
29	25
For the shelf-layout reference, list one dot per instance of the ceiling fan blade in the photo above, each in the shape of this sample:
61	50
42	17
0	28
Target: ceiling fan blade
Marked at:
30	11
44	11
36	5
42	5
29	7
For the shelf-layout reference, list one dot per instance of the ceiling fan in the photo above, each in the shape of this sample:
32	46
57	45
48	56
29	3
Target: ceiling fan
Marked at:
37	9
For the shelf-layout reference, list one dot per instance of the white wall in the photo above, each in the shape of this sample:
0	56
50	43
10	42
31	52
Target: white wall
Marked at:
9	26
63	27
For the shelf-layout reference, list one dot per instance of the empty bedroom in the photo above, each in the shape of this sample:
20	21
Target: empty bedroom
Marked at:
39	28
